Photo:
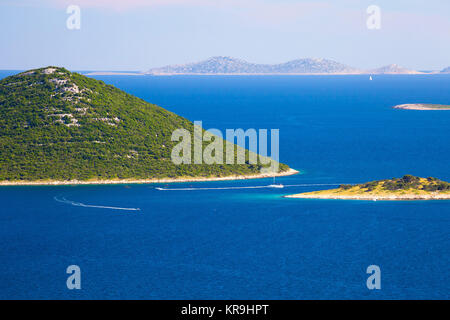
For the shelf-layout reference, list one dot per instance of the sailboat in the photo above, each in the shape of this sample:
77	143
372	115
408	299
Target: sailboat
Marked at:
370	78
274	185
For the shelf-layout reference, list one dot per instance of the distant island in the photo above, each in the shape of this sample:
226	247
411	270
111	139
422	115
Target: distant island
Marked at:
406	188
59	127
422	106
221	65
231	66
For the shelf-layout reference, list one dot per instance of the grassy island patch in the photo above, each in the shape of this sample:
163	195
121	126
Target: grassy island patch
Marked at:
407	187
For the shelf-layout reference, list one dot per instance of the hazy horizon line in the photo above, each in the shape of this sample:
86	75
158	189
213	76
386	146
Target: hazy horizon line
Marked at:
142	70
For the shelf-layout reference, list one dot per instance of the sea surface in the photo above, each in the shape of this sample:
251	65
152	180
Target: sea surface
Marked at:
250	243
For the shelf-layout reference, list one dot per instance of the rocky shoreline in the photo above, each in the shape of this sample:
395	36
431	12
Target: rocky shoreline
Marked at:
402	197
143	181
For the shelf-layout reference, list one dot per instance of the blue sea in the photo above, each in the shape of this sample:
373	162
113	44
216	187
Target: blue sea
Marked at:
252	243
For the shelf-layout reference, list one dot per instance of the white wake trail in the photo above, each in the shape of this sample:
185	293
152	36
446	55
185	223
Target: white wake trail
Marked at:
315	184
221	188
79	204
250	187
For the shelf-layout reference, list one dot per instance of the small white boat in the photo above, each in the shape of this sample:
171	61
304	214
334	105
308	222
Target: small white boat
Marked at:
274	185
370	78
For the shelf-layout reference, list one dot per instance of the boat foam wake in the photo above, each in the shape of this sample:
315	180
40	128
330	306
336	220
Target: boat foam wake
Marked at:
250	187
79	204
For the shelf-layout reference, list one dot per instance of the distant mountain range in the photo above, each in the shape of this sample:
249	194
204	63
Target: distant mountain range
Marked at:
228	65
393	69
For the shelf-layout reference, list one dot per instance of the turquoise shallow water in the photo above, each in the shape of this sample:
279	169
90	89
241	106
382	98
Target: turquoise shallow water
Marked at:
252	243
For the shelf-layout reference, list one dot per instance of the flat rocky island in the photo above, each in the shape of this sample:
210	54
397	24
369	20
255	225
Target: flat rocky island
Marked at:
407	188
422	106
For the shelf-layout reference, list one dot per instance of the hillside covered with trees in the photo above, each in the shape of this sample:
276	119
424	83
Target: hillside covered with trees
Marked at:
59	125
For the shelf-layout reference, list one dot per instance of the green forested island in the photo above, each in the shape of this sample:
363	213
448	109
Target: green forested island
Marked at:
56	125
406	188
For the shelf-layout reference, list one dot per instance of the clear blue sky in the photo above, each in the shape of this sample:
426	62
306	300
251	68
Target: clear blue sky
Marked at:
140	34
